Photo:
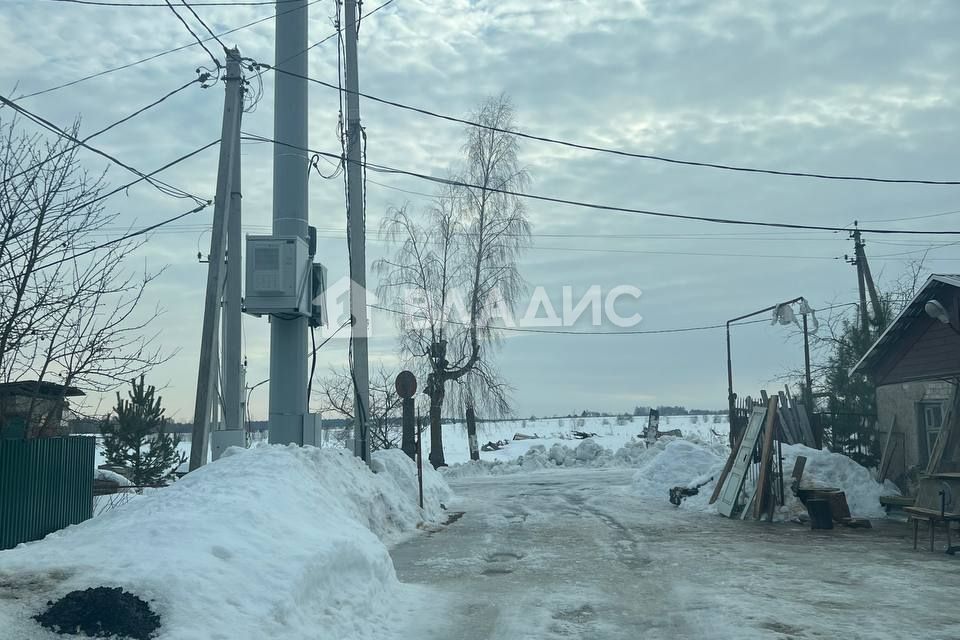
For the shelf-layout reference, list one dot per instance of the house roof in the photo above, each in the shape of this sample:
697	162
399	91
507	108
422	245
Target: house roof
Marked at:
42	389
905	319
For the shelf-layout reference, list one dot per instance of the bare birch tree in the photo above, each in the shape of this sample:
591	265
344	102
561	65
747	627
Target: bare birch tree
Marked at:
336	395
454	272
68	307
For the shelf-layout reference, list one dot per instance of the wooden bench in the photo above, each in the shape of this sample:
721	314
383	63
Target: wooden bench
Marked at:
932	516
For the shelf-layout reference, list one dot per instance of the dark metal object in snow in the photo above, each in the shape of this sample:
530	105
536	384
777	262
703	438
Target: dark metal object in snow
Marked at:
101	612
677	494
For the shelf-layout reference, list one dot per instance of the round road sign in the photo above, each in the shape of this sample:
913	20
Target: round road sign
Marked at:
406	384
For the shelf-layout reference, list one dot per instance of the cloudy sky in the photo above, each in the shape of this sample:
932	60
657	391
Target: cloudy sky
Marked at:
868	88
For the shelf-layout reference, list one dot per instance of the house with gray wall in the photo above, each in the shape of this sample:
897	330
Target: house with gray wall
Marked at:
915	365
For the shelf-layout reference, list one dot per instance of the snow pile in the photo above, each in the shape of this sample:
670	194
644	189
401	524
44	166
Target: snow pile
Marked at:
272	542
588	453
111	476
833	470
688	463
680	463
587	450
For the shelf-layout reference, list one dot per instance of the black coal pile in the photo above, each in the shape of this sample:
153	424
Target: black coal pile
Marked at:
101	612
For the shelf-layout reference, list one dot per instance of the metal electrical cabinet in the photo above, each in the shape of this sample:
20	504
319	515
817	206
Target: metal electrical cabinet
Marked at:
279	276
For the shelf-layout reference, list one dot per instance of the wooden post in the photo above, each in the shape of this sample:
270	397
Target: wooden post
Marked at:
420	459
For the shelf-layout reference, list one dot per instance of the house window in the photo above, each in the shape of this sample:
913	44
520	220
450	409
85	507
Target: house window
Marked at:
930	421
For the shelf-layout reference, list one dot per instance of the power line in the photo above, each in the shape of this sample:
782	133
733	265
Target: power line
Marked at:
611	208
124	187
216	63
163	187
159	54
147	176
595	333
133	234
617	152
203	24
929	215
93	135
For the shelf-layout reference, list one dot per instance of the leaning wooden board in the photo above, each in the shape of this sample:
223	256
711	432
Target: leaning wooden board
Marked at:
887	455
764	493
733	485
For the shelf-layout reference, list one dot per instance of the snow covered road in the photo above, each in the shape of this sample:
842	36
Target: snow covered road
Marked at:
574	553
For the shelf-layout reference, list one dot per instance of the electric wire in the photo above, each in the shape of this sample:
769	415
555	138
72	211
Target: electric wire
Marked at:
204	25
124	187
160	185
128	236
113	125
160	54
600	333
617	152
216	63
610	208
316	348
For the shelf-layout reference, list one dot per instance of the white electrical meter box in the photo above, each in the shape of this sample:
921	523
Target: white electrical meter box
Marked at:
279	276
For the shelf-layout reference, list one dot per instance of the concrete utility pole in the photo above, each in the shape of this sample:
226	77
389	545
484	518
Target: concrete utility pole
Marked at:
232	315
291	164
357	241
229	156
230	431
868	279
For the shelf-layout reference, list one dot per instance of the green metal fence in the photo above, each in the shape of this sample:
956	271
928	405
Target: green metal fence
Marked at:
45	485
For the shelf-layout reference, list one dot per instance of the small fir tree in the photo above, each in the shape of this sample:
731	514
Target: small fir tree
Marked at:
137	438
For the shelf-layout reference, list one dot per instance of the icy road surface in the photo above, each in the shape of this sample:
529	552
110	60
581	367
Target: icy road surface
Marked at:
573	554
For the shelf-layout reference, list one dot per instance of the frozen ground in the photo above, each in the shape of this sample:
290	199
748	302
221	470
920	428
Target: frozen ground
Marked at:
578	553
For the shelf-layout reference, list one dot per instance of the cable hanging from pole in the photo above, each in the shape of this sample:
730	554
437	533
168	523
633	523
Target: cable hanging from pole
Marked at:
160	54
621	152
161	186
200	42
202	80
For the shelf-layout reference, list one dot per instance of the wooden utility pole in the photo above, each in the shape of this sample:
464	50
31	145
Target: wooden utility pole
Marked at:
206	376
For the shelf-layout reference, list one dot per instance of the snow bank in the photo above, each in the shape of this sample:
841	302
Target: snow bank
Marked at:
272	542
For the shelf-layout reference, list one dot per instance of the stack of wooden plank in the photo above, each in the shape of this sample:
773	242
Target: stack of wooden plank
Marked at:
794	421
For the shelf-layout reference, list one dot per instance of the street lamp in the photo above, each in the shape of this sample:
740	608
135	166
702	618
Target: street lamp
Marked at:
731	396
935	309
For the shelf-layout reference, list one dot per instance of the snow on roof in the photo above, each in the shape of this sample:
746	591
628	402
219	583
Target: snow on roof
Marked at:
904	320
